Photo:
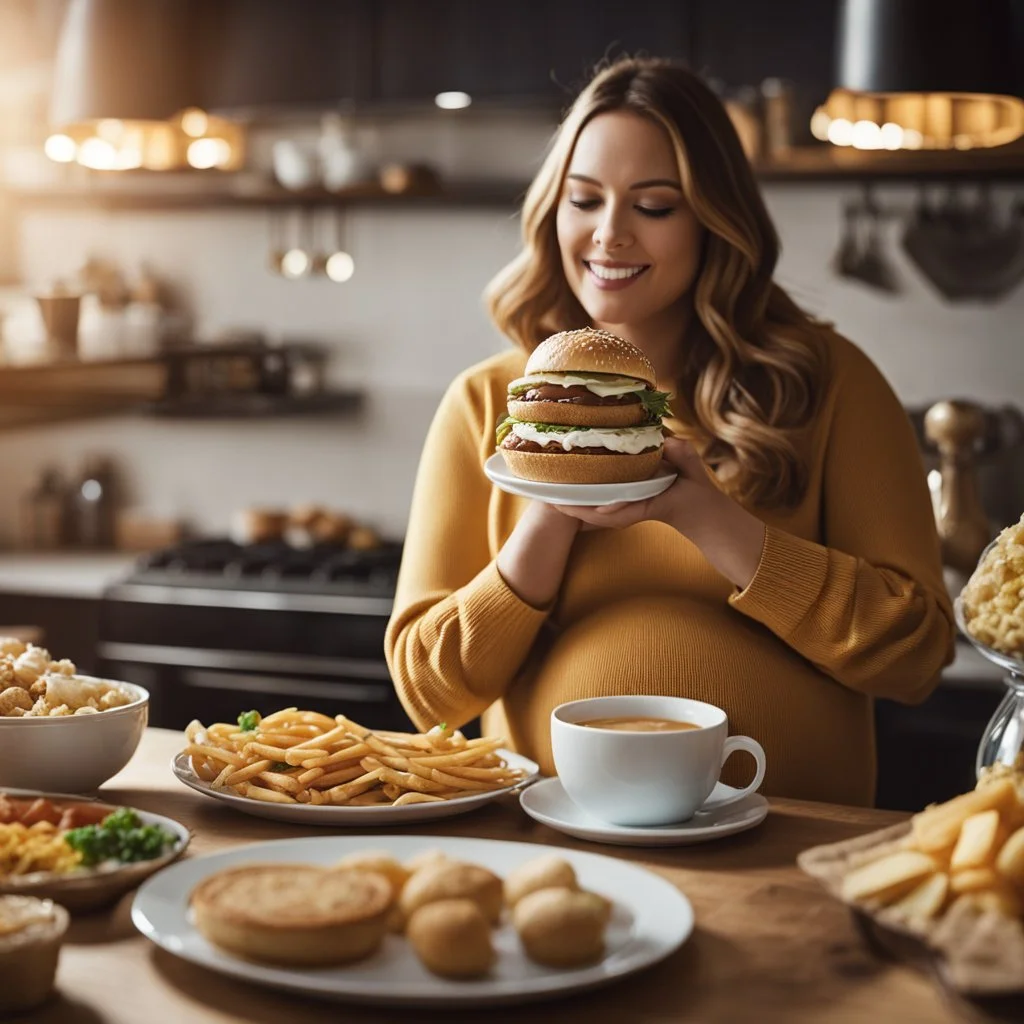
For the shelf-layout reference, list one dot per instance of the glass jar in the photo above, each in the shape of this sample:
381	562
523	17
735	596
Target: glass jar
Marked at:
1003	739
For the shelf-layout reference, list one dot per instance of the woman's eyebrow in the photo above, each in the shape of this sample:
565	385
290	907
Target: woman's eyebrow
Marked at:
650	183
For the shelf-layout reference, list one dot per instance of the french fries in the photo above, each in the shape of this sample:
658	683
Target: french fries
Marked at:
303	757
969	848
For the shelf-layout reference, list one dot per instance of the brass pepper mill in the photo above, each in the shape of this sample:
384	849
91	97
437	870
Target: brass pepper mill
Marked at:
955	428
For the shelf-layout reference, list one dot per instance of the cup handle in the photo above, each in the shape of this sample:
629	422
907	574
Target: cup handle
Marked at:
732	744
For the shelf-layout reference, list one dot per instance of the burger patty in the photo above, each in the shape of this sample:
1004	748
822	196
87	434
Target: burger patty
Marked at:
519	444
576	395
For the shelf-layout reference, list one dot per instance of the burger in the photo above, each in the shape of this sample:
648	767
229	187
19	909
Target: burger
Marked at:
586	412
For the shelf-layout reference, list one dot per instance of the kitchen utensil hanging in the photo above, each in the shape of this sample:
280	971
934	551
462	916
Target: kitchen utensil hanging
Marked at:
861	253
291	257
339	265
967	250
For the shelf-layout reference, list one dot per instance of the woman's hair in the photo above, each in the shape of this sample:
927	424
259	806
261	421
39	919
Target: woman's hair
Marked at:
754	366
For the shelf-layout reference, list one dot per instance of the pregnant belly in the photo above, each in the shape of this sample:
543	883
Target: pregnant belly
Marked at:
682	647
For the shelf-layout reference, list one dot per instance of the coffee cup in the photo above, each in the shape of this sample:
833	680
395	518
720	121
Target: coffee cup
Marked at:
645	760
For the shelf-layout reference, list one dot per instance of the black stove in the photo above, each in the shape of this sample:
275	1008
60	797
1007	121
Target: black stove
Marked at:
209	626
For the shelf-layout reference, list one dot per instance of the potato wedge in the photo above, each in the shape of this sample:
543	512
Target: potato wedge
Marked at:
939	826
889	877
926	900
974	880
1010	859
979	840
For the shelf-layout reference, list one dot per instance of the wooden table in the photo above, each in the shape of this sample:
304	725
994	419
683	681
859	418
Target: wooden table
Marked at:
769	944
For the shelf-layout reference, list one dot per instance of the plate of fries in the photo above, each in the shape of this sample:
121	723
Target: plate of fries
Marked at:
951	878
302	766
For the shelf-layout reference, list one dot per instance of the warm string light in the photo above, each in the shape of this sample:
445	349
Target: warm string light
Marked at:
191	139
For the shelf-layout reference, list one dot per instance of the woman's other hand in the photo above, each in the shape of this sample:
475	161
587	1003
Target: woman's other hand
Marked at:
730	537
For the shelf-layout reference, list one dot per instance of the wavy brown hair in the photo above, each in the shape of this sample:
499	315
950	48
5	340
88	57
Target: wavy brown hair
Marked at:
755	364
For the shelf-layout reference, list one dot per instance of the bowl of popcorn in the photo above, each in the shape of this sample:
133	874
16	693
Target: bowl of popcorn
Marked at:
59	730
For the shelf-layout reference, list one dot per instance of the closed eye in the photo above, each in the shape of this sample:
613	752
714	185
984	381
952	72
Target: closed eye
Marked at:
647	211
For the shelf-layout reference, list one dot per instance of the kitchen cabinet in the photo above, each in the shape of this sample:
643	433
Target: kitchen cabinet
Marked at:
266	55
534	51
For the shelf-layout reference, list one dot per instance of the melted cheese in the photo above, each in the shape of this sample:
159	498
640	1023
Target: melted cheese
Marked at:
627	440
603	386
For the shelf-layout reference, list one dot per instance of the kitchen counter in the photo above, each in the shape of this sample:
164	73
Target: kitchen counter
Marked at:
769	944
62	573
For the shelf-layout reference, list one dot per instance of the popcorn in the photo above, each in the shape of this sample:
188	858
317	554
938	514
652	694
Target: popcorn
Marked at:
35	685
993	599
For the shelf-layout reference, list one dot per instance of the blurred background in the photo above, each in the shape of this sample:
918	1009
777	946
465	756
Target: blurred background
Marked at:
242	248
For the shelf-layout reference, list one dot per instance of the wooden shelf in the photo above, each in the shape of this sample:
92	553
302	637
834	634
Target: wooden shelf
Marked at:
804	164
839	163
42	393
131	197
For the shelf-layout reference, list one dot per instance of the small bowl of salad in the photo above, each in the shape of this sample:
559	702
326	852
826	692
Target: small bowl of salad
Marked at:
81	853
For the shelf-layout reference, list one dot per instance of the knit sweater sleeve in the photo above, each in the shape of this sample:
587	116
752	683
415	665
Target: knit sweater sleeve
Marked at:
868	606
458	633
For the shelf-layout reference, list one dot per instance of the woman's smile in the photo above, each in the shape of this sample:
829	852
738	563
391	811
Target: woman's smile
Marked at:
611	276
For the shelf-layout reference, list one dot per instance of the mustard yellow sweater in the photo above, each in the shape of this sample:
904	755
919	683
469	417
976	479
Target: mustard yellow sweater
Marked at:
847	602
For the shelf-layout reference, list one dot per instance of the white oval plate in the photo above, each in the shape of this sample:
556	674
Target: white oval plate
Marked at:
650	920
575	494
548	803
354	817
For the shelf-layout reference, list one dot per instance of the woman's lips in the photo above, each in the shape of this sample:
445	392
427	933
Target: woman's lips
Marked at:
617	282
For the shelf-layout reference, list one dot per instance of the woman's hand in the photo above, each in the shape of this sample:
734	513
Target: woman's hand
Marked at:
730	537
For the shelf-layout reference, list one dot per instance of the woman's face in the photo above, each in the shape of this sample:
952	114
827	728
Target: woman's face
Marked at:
630	243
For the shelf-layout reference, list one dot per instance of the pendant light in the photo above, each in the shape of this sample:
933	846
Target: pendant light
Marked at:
923	74
126	90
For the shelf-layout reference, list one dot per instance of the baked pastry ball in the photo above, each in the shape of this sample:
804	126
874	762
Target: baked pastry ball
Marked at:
562	927
450	879
424	859
379	862
452	938
547	872
293	914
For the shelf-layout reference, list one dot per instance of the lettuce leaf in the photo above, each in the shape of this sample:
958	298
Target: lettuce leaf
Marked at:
655	405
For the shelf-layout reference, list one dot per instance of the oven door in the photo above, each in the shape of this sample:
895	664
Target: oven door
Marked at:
216	686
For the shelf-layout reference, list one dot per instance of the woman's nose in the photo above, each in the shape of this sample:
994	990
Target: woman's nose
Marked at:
610	232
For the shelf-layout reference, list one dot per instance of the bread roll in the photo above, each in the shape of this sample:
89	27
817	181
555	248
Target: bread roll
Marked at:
452	938
562	927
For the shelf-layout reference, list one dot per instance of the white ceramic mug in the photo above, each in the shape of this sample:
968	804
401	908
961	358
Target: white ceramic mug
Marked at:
645	778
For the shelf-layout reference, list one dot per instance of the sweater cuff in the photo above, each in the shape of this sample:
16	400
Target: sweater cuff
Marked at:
787	584
496	619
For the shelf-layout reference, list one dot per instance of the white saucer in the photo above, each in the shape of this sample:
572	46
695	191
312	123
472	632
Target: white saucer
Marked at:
575	494
547	802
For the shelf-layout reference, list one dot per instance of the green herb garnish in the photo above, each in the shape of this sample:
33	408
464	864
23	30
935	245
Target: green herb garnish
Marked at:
249	721
120	836
655	405
281	766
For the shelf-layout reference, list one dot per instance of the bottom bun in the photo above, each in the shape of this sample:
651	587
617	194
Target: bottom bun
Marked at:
293	914
566	468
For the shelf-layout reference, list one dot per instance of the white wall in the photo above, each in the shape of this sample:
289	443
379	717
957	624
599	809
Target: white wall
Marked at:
410	319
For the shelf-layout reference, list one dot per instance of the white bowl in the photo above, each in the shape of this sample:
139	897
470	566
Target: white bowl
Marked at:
72	753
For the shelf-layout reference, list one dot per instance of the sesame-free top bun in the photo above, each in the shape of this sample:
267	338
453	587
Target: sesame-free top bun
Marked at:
567	468
590	350
293	914
573	414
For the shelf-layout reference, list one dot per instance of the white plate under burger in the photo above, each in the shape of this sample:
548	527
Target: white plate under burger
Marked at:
651	918
575	494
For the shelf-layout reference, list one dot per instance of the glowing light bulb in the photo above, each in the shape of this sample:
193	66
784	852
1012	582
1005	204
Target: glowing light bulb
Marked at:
340	267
